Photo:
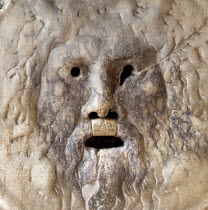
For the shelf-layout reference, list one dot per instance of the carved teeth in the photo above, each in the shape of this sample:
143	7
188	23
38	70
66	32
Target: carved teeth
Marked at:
104	127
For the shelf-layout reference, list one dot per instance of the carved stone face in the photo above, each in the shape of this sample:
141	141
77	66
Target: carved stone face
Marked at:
107	77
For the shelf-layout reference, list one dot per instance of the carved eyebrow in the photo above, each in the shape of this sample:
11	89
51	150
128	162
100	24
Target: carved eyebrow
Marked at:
76	60
125	58
128	56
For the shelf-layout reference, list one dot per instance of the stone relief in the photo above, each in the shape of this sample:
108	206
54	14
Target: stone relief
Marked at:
103	104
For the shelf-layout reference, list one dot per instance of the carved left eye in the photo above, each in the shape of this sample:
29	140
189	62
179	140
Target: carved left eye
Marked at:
127	71
75	71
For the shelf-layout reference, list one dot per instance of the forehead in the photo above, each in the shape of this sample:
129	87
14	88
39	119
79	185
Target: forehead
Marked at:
93	48
103	38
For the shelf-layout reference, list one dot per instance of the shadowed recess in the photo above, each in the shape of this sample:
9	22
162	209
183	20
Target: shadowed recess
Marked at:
75	71
127	71
104	142
111	115
93	115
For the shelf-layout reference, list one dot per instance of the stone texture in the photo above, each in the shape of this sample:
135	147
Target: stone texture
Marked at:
136	67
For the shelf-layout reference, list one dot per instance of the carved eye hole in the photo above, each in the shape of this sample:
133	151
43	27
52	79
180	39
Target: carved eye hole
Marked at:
127	71
75	71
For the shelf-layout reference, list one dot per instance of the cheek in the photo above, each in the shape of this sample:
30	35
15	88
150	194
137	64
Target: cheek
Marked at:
59	106
144	99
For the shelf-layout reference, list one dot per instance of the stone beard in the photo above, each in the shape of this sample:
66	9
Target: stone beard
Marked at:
106	74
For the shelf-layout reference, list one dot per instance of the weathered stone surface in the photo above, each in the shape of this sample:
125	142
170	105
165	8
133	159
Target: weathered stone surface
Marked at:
103	104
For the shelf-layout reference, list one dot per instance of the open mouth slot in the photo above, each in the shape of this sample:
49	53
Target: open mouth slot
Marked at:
104	142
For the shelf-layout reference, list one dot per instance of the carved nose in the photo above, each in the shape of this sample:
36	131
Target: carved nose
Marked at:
103	110
101	95
97	107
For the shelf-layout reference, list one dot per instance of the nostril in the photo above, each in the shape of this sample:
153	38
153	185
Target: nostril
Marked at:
112	115
93	115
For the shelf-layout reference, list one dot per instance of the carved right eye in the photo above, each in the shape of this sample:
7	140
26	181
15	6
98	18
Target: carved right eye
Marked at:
127	71
75	71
